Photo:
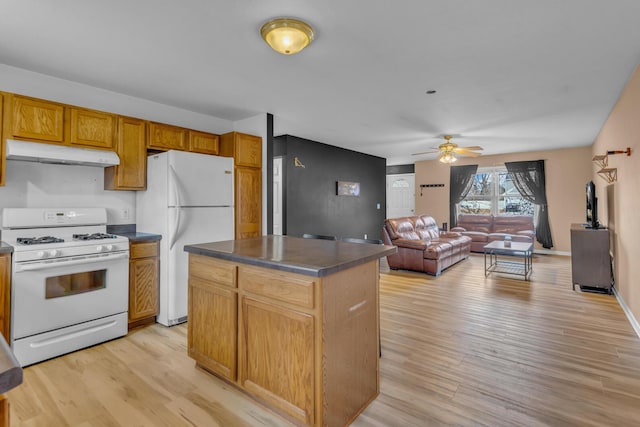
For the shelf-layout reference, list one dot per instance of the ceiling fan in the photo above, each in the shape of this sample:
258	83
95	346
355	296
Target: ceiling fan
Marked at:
448	149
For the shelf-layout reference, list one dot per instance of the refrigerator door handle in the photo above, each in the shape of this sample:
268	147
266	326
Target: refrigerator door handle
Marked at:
176	191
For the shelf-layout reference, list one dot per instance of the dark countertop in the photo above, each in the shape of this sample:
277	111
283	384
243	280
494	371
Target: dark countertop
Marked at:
4	248
312	257
140	237
10	370
129	231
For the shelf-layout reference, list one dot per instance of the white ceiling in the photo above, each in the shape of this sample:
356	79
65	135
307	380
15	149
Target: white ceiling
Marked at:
510	75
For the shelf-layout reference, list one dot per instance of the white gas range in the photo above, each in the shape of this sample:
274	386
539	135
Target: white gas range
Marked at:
70	280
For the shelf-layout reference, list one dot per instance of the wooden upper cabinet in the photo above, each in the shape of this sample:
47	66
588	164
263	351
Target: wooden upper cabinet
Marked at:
248	198
92	128
36	119
166	137
131	173
202	142
244	148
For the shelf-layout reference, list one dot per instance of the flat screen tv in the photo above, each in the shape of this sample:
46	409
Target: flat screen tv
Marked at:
592	206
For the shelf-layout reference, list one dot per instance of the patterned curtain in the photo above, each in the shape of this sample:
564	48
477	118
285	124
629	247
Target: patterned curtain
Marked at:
459	187
529	179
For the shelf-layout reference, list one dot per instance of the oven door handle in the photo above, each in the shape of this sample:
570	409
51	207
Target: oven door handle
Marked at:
90	259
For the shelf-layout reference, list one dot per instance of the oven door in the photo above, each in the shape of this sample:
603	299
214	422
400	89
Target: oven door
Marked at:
56	293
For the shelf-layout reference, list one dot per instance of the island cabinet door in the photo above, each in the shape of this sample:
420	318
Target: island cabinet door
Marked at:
213	327
278	357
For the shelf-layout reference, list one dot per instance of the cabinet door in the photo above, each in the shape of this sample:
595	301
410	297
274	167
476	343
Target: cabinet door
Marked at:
213	326
202	142
37	119
143	288
5	296
248	150
248	202
278	357
166	137
131	173
92	128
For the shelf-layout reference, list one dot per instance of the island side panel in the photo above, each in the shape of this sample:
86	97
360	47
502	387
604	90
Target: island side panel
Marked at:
351	342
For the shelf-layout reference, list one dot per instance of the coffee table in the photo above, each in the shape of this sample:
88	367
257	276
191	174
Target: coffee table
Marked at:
516	259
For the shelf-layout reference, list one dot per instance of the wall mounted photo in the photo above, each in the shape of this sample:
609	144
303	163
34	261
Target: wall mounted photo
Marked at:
347	188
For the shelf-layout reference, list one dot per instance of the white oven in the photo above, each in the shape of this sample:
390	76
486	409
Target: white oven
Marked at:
69	291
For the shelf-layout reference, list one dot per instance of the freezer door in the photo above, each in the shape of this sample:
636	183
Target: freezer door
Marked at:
196	225
200	179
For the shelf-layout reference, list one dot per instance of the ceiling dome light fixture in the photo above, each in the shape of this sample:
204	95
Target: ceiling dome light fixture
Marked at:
287	35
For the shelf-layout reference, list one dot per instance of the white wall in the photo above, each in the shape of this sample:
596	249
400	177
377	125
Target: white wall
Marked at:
36	185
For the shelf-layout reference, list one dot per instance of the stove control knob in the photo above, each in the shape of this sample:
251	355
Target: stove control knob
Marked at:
109	247
40	254
100	248
53	252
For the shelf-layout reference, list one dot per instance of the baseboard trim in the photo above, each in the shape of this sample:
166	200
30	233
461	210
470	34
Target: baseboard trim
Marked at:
551	252
634	323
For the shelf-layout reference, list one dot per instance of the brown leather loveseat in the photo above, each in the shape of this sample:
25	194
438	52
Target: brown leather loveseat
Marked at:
422	246
486	228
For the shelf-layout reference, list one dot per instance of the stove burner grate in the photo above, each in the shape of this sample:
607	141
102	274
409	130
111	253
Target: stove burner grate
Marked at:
94	236
38	240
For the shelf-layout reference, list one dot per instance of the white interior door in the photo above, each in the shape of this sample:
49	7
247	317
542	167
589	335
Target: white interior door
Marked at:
401	195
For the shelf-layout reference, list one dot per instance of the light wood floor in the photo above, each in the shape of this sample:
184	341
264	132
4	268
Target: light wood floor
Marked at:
456	350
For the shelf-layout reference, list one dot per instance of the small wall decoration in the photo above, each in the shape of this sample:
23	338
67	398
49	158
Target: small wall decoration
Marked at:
347	188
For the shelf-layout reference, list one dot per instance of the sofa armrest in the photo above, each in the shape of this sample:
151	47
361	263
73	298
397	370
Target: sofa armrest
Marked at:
458	229
529	233
410	244
450	234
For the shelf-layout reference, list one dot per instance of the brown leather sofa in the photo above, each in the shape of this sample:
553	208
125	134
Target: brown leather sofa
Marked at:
422	246
486	228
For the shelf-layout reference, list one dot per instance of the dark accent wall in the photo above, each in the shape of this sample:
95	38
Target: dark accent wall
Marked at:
311	204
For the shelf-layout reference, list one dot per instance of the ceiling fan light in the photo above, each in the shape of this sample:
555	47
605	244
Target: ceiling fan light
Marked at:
287	35
447	158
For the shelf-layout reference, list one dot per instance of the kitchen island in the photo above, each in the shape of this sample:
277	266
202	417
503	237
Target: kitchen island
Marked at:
293	322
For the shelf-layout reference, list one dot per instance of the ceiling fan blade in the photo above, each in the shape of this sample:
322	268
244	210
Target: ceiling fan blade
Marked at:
475	148
467	153
426	152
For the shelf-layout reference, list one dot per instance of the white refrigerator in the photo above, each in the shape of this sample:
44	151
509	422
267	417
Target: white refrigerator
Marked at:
189	200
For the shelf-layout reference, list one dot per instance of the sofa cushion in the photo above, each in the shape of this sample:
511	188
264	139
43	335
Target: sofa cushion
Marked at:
438	249
481	223
402	228
514	237
427	228
512	224
477	236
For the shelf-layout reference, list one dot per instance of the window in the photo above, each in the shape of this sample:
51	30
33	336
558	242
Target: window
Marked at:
493	192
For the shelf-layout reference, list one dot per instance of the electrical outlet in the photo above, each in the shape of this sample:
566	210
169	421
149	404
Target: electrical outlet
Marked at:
125	214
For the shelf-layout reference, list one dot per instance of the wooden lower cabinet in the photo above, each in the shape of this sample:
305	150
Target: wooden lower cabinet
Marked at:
5	295
144	282
305	346
214	348
277	342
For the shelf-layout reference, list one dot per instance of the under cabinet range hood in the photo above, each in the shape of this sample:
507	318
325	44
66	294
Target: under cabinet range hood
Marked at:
59	154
